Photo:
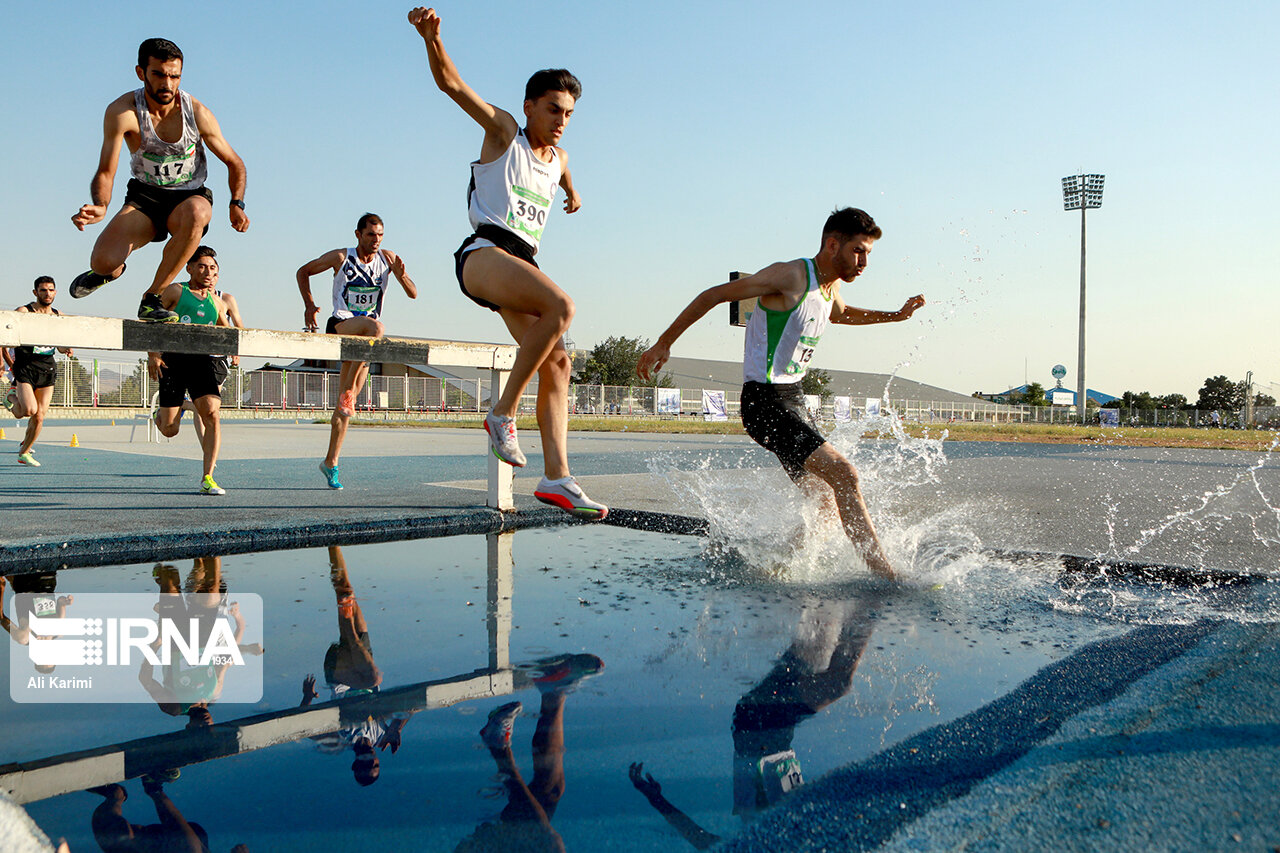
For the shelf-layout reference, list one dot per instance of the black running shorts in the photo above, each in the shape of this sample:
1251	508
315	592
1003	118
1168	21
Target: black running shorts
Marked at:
221	369
187	375
38	372
776	419
157	203
504	240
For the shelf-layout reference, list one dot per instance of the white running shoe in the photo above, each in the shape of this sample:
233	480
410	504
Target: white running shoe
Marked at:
502	439
568	495
496	733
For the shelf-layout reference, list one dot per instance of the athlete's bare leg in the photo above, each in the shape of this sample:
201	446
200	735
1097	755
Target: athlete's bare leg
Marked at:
351	377
186	226
208	408
553	397
354	663
830	466
169	420
548	751
34	403
128	230
515	286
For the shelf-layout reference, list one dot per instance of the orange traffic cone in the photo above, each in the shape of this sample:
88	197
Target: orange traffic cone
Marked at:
75	442
1	433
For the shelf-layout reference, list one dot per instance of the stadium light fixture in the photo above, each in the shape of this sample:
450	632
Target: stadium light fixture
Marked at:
1082	192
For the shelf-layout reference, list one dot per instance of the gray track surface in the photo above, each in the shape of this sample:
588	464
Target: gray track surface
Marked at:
1166	738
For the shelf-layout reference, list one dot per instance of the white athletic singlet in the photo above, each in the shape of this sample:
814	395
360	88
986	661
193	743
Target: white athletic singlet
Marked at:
514	192
358	288
172	165
780	343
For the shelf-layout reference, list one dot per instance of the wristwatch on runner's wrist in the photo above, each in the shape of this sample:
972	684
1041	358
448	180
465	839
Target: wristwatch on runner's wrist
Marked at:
238	202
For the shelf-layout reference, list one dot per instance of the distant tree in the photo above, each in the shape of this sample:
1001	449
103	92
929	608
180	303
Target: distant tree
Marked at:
1137	400
816	382
1242	390
1218	392
1172	401
614	363
1015	398
1034	395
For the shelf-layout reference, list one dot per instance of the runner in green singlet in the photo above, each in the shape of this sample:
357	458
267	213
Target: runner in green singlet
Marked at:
182	374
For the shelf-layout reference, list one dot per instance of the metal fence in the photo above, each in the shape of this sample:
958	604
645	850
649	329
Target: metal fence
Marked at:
97	383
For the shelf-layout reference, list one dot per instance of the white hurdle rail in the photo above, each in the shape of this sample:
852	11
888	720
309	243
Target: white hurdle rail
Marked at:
107	333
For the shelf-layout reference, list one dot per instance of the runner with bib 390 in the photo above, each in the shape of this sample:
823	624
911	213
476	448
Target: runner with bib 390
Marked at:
166	131
513	185
360	278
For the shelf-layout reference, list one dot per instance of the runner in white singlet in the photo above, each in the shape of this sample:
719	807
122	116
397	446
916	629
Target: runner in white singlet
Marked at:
513	185
360	278
167	132
796	299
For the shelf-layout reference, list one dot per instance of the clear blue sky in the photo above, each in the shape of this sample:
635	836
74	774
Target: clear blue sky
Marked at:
714	137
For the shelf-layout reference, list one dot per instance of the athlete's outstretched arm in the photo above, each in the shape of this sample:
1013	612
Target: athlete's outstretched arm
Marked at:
777	279
237	175
679	821
499	125
328	261
851	316
401	274
114	124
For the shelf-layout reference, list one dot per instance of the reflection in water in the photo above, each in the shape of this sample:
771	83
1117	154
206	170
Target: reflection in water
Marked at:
174	832
349	672
813	672
183	690
34	595
525	822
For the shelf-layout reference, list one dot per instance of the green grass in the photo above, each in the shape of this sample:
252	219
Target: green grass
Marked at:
1222	439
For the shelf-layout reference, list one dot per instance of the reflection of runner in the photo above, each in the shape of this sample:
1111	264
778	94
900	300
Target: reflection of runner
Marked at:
173	833
513	186
525	823
796	301
34	595
34	373
166	131
194	375
189	689
364	738
348	663
815	670
360	279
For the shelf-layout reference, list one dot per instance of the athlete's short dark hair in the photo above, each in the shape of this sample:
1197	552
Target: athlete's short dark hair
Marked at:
161	49
848	222
369	219
552	80
44	279
203	252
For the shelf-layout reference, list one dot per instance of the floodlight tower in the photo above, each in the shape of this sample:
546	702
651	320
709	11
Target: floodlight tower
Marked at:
1082	192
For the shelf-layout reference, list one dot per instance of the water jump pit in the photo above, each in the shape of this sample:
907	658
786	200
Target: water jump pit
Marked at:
717	675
